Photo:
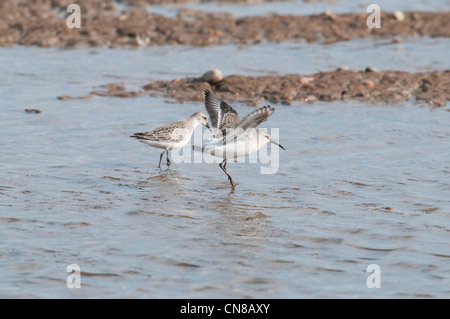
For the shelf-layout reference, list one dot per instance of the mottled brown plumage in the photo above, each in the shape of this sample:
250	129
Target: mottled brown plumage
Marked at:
172	136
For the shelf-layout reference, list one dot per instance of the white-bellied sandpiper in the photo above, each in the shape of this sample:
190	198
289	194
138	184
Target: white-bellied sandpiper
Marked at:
240	138
172	136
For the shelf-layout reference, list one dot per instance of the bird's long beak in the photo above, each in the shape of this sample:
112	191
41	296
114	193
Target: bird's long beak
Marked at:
207	126
281	146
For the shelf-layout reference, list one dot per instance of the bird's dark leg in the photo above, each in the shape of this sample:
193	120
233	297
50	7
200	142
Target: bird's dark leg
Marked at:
222	166
167	157
160	158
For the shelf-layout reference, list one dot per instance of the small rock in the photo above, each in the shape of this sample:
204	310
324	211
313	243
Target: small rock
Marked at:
33	111
397	39
115	87
213	76
400	16
306	79
370	84
66	97
371	69
343	68
310	99
141	42
330	14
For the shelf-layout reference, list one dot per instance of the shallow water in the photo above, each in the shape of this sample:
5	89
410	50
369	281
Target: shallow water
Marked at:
76	72
298	7
358	184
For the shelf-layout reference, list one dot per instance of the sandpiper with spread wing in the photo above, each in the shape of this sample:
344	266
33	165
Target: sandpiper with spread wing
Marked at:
234	138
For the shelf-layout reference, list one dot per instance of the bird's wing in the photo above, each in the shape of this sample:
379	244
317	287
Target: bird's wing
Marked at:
172	131
221	114
255	118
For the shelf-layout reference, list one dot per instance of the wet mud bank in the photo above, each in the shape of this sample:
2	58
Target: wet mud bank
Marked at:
107	24
372	86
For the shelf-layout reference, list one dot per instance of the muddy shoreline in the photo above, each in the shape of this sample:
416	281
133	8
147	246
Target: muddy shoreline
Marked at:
390	87
104	24
129	23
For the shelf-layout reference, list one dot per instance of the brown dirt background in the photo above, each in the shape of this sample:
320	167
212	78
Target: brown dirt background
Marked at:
43	23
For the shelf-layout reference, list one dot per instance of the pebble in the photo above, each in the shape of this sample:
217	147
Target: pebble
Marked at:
370	84
115	87
142	42
66	97
33	111
306	79
371	69
330	14
213	76
400	16
343	68
310	99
